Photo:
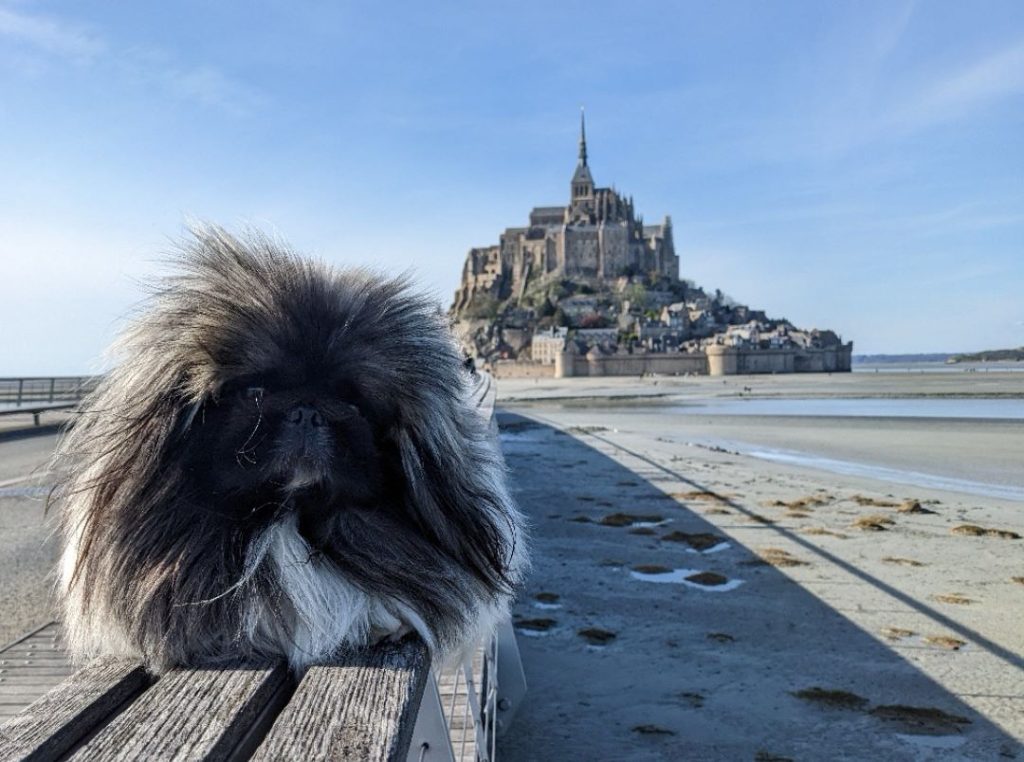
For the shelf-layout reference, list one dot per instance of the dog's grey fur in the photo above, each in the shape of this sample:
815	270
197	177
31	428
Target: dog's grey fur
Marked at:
394	516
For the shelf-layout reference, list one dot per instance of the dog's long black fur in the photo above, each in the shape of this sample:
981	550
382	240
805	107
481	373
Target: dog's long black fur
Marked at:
282	463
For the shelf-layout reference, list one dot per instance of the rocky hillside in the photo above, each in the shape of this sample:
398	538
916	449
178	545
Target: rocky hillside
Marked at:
491	329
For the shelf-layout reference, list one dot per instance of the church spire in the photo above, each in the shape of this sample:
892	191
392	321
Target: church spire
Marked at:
583	138
582	183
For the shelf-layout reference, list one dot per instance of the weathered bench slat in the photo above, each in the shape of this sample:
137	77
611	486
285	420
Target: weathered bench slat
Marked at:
362	708
56	722
189	714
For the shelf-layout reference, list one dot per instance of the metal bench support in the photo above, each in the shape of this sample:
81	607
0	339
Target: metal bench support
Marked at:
430	740
511	679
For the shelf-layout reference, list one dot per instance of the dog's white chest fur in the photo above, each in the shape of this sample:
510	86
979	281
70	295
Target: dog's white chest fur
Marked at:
327	611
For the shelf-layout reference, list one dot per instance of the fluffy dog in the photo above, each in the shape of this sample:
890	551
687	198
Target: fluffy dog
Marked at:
283	464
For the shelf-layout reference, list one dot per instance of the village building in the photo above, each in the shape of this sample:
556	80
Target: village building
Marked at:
547	345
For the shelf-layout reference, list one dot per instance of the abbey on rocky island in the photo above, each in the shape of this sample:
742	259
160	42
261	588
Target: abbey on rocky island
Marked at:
588	289
597	236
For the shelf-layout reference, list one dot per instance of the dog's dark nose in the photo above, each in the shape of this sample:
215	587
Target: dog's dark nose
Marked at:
305	416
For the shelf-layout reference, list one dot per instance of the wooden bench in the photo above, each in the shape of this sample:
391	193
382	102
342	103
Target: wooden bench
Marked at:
381	703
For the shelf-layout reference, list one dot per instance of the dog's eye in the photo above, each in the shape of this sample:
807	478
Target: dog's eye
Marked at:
255	393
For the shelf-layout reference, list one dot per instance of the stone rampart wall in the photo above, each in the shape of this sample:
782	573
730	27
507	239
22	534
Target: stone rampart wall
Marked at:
719	361
517	369
669	364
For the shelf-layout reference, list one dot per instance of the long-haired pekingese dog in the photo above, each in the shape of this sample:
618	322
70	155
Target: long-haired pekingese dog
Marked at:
284	463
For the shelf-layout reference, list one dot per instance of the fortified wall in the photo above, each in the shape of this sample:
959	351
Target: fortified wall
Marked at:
714	361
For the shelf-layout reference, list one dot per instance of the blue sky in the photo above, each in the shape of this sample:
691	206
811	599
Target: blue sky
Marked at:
858	166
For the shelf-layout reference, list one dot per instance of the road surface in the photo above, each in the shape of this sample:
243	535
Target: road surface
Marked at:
28	548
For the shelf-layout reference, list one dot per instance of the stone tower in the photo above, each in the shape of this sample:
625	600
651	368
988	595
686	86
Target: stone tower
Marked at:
582	191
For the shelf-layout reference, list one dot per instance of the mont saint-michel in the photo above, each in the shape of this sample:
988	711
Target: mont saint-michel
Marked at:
590	289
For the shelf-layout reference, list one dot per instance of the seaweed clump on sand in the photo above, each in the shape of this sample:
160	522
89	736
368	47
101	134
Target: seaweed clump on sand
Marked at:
535	625
651	569
897	633
694	699
832	698
703	495
874	501
721	637
696	540
873	523
595	636
587	429
945	641
973	530
899	561
775	557
652	730
707	579
912	506
922	719
629	519
800	503
716	512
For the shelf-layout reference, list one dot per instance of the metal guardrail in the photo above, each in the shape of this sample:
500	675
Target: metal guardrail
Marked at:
36	395
20	392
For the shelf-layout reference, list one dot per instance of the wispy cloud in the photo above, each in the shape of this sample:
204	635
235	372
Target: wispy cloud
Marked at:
201	83
976	215
46	34
47	37
875	98
960	92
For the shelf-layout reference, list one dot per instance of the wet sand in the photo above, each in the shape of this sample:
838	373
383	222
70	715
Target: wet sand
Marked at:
902	427
904	385
843	617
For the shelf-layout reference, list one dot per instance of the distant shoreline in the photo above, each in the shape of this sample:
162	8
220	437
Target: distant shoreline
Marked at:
986	357
667	390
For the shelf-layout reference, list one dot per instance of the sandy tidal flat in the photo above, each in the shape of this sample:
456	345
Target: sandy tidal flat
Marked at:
690	602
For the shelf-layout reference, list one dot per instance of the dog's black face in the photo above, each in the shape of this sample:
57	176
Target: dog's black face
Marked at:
274	440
